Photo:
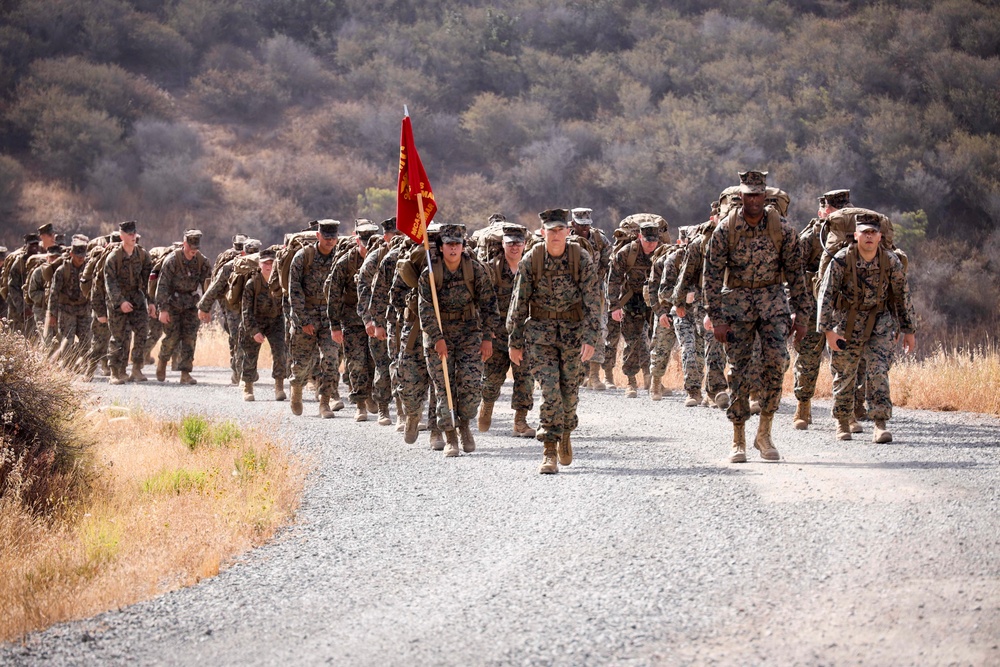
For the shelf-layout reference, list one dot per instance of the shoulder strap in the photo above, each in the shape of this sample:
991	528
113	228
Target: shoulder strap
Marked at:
774	228
537	263
469	275
308	254
574	262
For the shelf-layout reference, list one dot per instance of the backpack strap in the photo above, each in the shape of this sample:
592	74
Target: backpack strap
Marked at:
854	306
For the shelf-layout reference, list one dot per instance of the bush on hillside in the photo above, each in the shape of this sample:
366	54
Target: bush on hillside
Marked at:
11	184
250	95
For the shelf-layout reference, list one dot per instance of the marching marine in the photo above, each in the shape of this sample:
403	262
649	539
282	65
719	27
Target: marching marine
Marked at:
184	275
126	274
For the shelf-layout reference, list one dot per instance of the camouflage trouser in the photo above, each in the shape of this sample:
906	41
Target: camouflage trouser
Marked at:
414	379
807	362
715	362
358	362
155	331
495	373
755	362
381	382
42	336
557	367
274	332
29	330
661	346
315	357
74	334
393	333
127	329
611	345
601	345
774	360
465	374
692	349
634	331
181	333
233	320
876	355
100	340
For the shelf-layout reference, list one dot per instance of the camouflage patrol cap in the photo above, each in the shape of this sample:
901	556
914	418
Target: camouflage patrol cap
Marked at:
364	229
193	237
311	226
32	239
714	205
127	227
239	241
47	229
837	198
54	250
753	182
581	216
452	232
649	230
865	221
268	254
496	217
79	246
513	233
250	246
328	228
554	217
389	226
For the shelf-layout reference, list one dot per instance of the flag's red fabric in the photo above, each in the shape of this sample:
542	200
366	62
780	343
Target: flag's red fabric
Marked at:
412	181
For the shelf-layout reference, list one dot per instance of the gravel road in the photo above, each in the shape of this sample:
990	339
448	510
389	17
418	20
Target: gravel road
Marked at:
650	549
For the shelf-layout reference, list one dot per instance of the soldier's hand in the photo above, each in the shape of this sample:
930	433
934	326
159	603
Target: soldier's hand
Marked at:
690	297
125	307
380	333
835	340
516	356
151	310
441	348
204	316
586	352
309	330
721	332
259	338
617	315
337	336
909	343
798	330
665	320
102	320
486	349
165	317
370	329
707	323
680	310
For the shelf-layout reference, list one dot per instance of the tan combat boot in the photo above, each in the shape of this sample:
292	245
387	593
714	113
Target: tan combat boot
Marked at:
645	380
337	404
852	423
371	405
234	379
549	465
564	449
722	400
521	427
595	377
633	388
693	400
161	370
843	429
739	451
802	415
248	391
383	414
451	446
465	433
187	379
437	440
881	434
361	413
400	416
296	399
411	429
763	440
656	391
106	367
324	407
485	416
279	390
116	377
137	375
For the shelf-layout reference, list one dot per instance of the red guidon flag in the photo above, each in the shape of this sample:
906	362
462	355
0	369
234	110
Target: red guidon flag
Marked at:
412	182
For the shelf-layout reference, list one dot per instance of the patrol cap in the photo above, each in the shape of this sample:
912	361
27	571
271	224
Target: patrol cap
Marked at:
554	217
581	216
116	237
364	229
513	233
714	205
127	227
389	226
452	232
55	249
250	246
32	239
78	248
649	230
496	217
193	237
268	254
865	221
47	228
239	240
328	228
60	239
837	198
753	182
311	226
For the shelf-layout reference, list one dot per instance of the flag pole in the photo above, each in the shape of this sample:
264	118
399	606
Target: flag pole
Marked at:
437	309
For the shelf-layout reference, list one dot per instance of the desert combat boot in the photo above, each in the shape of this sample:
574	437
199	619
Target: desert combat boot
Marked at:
521	428
694	399
411	429
595	377
564	450
324	407
549	464
296	403
248	391
633	387
739	451
656	392
187	379
843	429
485	416
279	390
137	375
361	414
383	414
465	433
803	415
763	440
451	447
881	434
161	370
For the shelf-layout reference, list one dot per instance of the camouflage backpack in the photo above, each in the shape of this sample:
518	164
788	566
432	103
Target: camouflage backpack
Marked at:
652	279
243	267
8	265
488	242
837	231
34	262
293	243
154	274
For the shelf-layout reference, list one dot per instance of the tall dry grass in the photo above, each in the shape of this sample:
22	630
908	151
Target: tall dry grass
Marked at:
164	505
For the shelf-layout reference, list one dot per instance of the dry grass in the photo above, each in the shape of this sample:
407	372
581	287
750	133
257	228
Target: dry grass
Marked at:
156	515
213	349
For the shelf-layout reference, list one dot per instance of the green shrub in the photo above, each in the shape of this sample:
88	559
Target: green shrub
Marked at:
196	431
175	482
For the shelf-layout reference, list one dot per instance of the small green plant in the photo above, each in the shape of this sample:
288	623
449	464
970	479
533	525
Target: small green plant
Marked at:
225	433
101	539
193	431
175	482
250	462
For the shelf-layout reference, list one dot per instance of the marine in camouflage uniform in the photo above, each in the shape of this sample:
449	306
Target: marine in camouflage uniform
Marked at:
262	317
36	291
496	367
126	275
313	351
746	298
583	227
378	346
216	292
18	318
386	321
554	322
345	322
463	339
630	268
100	331
182	275
862	302
665	270
69	307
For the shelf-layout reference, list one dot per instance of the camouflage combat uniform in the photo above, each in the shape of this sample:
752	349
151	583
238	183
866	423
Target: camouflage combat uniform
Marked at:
385	315
342	310
231	315
625	285
71	308
18	312
378	349
665	267
497	366
37	292
602	259
313	357
177	290
414	378
261	313
125	279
